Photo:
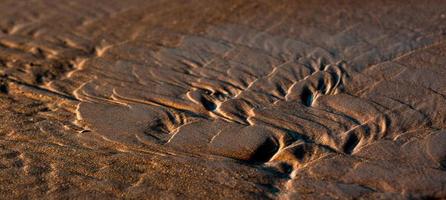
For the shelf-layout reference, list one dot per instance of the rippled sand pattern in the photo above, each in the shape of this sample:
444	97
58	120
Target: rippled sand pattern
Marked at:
240	100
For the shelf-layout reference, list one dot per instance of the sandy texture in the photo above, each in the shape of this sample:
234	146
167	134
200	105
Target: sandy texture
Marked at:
222	99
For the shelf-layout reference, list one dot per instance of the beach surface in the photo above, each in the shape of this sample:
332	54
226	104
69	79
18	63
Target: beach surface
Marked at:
136	99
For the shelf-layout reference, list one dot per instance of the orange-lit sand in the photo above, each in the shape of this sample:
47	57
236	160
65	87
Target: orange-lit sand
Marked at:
222	99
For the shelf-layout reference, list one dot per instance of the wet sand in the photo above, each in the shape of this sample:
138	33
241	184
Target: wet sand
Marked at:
222	99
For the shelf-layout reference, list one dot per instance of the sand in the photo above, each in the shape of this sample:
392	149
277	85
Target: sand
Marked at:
197	99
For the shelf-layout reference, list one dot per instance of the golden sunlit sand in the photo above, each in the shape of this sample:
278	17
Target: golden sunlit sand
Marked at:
193	99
